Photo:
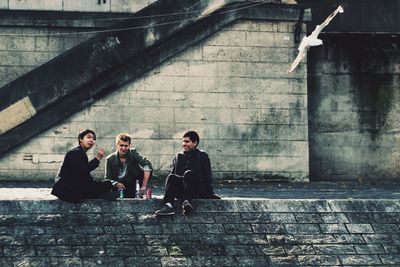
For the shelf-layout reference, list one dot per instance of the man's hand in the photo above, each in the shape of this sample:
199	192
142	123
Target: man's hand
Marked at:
142	191
100	153
120	186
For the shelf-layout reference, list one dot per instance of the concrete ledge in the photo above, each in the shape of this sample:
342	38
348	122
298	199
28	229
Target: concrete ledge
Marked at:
234	232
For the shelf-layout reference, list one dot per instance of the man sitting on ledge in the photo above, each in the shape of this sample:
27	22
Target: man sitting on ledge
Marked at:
189	178
74	182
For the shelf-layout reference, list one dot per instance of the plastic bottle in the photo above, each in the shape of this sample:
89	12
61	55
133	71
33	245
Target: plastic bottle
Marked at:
121	193
137	189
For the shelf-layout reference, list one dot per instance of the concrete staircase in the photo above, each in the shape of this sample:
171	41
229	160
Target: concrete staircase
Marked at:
120	54
231	232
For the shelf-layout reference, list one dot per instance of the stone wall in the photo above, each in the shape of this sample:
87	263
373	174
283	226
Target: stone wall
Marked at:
76	5
270	232
354	111
232	88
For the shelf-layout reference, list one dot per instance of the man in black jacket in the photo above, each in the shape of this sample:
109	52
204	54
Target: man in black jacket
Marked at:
74	182
189	178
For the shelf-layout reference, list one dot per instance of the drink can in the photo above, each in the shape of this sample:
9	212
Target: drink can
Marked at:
121	193
148	193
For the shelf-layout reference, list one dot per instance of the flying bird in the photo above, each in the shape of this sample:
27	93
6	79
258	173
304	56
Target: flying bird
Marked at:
312	39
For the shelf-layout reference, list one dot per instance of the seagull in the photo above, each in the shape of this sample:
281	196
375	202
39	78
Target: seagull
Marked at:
312	39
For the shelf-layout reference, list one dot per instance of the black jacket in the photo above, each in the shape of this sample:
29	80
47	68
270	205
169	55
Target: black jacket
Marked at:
74	176
199	163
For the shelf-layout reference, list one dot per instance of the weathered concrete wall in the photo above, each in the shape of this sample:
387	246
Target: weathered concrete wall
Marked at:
76	5
232	88
354	112
269	232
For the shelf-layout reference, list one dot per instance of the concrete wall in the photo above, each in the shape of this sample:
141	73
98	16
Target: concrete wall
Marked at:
232	88
76	5
354	111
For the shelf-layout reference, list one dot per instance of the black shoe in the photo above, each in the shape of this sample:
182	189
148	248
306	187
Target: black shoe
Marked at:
186	207
165	211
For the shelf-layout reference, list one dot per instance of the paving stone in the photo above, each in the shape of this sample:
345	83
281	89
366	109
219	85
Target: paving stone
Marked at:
318	260
382	238
369	249
240	250
359	228
308	218
103	261
276	250
70	240
143	261
270	228
349	238
391	249
361	217
283	260
120	251
359	260
110	239
251	261
66	261
302	229
216	261
18	251
282	217
255	217
54	251
331	218
334	249
333	228
299	249
386	228
237	228
89	251
390	259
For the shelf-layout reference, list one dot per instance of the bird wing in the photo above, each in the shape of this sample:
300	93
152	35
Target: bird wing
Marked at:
297	60
319	28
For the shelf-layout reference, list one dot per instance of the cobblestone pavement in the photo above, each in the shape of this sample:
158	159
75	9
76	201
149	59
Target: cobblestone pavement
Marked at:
270	224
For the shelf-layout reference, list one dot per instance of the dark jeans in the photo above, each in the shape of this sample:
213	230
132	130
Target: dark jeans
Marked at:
97	189
184	187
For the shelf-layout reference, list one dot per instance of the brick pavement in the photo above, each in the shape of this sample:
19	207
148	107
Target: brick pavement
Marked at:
235	231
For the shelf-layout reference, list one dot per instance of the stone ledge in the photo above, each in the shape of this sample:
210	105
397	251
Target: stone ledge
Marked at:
234	232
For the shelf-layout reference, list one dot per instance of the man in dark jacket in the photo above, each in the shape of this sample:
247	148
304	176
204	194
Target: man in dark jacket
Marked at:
74	182
189	178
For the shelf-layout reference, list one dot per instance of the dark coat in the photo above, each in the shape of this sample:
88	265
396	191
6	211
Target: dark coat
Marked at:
199	163
74	181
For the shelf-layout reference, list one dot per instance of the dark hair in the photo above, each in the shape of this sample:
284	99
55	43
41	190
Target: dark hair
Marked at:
123	137
193	136
85	132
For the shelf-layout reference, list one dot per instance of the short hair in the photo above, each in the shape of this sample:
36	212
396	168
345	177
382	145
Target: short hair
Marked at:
123	137
85	132
193	136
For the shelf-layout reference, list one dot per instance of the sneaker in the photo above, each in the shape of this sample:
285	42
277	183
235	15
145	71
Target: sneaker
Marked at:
186	207
165	211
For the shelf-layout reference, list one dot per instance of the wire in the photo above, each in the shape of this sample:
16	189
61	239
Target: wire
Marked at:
128	28
120	18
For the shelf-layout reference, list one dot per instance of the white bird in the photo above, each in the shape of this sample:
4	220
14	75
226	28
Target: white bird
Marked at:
312	39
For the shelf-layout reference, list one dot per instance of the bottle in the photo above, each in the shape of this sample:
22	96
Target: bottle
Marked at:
137	189
148	193
121	193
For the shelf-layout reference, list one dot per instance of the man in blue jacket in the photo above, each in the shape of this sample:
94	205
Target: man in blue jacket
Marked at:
190	177
74	182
